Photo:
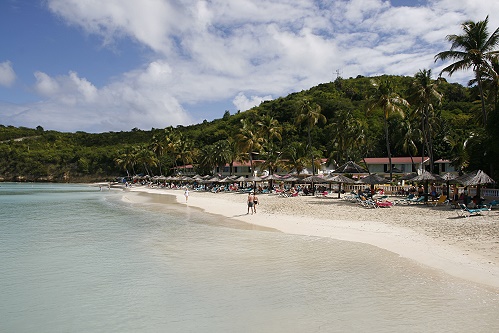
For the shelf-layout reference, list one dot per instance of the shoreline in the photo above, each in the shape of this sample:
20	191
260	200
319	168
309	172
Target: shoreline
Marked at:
467	248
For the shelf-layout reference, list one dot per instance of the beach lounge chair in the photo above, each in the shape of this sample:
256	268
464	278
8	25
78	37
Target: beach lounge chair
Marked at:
383	204
404	201
419	200
493	203
467	212
442	200
322	194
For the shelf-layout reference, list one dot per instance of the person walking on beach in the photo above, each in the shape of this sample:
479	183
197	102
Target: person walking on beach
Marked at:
255	202
186	194
251	203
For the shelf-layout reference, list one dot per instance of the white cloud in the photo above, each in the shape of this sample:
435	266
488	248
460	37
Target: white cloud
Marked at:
243	103
207	51
7	74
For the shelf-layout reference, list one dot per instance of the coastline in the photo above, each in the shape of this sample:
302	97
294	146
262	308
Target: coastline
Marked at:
467	248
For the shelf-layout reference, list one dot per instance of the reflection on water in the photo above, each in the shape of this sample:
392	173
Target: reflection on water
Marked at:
76	259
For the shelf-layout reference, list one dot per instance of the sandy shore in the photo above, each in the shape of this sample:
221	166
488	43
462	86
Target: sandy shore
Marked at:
467	248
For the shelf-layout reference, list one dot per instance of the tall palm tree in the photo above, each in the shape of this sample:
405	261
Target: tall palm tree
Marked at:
249	140
147	158
474	49
158	148
408	135
270	129
386	99
127	159
424	96
296	155
310	114
221	151
172	141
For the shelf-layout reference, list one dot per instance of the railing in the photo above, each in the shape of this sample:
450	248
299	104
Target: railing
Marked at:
395	189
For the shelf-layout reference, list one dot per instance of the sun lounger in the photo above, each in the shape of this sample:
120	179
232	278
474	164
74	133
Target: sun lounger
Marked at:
321	194
419	200
467	212
404	201
384	204
442	200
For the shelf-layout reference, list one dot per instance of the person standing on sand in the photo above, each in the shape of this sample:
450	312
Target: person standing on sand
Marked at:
251	203
186	194
255	202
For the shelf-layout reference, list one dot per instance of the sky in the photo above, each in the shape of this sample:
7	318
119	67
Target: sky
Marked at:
114	65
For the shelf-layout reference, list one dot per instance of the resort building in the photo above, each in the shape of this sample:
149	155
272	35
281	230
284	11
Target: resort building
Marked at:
400	165
444	166
244	169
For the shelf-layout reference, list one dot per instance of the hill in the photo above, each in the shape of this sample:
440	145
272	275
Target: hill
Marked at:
352	130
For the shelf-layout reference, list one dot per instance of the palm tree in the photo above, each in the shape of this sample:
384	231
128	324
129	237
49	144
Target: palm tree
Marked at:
474	49
270	129
158	148
221	151
249	140
424	96
205	158
386	99
172	141
126	159
147	158
310	113
296	157
407	135
346	133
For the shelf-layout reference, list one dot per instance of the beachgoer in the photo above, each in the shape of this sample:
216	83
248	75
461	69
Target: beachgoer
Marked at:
251	204
186	194
433	192
255	202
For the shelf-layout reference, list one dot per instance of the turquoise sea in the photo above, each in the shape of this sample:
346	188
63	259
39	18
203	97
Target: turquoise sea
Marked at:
76	259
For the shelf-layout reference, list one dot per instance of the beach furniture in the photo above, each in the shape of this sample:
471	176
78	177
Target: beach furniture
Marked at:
404	201
442	200
418	200
383	204
467	212
322	194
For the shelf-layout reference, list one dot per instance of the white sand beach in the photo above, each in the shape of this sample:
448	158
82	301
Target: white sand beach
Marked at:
436	237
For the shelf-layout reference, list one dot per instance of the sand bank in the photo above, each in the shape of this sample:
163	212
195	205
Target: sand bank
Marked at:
467	248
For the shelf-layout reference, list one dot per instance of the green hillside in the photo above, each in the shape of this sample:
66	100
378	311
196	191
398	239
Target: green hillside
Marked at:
347	119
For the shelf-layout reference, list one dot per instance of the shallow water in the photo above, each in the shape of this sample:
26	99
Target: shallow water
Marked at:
74	258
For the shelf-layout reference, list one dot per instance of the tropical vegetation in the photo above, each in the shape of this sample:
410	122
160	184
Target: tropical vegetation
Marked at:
348	119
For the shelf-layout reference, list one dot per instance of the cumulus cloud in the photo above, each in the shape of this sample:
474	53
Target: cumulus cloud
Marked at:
207	51
7	74
243	103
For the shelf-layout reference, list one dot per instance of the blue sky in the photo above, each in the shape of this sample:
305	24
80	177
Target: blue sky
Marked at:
98	66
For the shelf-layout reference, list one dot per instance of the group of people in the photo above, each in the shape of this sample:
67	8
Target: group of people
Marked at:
252	203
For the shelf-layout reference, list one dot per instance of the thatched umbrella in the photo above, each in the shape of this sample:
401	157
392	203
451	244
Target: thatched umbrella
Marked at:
253	179
350	167
373	179
408	176
426	177
340	179
314	179
271	178
475	178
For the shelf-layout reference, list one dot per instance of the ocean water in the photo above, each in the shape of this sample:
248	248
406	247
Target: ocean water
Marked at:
76	259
